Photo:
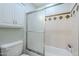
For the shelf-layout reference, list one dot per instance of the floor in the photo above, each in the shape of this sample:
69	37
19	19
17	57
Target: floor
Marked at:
24	55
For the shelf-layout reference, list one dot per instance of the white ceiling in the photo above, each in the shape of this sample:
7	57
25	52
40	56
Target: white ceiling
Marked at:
38	5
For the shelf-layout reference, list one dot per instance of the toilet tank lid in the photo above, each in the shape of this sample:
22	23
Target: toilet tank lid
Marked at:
11	44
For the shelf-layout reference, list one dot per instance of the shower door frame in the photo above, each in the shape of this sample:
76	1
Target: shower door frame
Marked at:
42	54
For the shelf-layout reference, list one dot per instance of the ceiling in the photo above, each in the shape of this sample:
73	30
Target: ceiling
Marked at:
38	5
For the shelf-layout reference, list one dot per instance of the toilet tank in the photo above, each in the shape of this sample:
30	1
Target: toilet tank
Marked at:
12	49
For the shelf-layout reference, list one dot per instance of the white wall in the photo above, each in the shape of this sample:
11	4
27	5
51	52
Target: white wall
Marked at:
29	7
57	32
60	33
75	40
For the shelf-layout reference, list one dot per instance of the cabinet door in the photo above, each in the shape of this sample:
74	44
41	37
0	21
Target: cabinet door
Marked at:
6	13
12	13
35	34
1	12
19	14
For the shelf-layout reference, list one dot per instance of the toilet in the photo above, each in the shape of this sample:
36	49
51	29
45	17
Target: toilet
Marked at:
12	49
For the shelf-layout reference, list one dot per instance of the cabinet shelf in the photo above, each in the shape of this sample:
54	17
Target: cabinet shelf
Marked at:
3	25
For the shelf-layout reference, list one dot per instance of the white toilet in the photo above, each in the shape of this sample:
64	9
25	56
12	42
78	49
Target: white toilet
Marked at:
12	49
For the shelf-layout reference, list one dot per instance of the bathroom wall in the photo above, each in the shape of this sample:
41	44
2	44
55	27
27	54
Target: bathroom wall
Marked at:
61	32
17	12
29	7
57	31
75	40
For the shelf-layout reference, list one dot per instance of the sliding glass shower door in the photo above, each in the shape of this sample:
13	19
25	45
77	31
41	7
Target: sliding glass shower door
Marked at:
35	32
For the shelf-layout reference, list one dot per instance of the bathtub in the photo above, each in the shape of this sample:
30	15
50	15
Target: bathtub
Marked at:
53	51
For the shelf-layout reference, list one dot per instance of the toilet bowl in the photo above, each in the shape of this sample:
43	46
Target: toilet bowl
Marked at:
12	49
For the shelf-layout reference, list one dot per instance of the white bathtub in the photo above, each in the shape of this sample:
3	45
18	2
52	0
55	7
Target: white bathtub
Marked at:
53	51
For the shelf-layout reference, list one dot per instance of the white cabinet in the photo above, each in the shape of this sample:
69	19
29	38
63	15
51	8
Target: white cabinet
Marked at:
6	13
12	13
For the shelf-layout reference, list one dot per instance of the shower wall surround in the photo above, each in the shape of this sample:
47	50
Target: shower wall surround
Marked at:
61	29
